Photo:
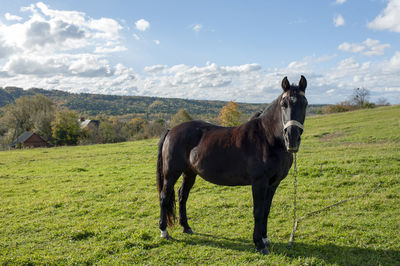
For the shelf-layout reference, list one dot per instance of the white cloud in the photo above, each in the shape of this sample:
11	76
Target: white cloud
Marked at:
339	2
5	50
137	38
197	27
10	17
58	30
155	68
142	25
90	66
338	20
368	47
375	47
105	50
351	47
393	64
388	19
297	64
105	28
157	42
72	17
51	42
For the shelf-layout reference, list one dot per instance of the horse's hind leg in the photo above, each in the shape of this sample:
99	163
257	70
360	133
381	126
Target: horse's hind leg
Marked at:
188	179
167	203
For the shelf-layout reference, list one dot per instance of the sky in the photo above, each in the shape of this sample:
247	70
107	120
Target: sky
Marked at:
209	49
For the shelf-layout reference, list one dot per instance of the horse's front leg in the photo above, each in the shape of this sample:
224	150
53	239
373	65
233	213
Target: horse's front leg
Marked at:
270	195
259	189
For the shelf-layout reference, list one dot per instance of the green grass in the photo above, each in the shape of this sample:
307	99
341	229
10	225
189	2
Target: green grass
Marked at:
99	204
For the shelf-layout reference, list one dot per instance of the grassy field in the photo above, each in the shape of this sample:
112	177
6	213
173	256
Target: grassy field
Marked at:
99	205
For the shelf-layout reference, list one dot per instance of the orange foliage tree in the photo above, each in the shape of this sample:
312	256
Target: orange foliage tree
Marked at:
230	115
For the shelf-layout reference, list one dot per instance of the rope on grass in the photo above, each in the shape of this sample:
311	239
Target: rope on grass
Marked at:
296	221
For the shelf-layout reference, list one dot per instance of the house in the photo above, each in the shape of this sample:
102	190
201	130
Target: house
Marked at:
89	124
29	140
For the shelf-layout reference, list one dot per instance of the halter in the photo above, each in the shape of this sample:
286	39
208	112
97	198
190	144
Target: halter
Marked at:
293	122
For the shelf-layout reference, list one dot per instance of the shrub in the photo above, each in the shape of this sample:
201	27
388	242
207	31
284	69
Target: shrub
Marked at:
65	128
338	108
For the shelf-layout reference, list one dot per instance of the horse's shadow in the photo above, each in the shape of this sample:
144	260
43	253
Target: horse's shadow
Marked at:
328	253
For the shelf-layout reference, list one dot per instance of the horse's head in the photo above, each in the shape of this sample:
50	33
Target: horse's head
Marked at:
293	105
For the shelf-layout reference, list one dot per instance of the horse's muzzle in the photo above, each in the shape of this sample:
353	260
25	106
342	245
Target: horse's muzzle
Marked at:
292	138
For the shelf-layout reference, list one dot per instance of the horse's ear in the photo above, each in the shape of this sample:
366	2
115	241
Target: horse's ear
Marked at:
302	83
285	84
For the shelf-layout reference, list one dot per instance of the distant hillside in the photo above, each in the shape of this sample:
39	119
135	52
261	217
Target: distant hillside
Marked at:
129	106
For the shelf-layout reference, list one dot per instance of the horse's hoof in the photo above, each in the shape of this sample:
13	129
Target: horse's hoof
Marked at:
188	231
264	251
165	235
266	241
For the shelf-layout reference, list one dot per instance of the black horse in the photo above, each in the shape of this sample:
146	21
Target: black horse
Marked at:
257	153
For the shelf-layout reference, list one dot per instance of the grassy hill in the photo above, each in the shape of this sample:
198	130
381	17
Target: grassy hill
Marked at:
99	204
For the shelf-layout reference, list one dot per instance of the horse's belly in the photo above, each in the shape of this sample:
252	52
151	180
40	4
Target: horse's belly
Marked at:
226	180
220	170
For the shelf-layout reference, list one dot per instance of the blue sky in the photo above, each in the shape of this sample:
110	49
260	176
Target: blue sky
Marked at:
224	50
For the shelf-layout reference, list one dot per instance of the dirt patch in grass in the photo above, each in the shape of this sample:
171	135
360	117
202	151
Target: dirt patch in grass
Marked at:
331	136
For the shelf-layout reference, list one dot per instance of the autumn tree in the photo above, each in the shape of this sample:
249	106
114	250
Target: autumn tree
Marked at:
33	113
136	127
155	128
181	116
230	115
66	129
43	116
107	132
155	106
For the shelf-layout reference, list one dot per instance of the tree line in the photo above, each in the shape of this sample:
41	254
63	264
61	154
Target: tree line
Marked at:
60	126
130	106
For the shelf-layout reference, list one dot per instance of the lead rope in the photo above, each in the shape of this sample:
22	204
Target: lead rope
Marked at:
296	221
291	239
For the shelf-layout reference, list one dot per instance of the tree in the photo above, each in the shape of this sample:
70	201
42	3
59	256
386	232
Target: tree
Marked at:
30	114
230	115
382	102
155	128
154	106
360	97
65	128
43	116
136	127
181	116
107	133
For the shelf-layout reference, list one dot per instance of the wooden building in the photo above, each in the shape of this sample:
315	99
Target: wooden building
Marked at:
29	140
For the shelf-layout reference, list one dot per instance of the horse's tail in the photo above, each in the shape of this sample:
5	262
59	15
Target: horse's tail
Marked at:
168	200
160	176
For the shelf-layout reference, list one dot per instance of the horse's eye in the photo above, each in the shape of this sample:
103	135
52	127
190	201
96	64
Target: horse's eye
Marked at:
284	104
